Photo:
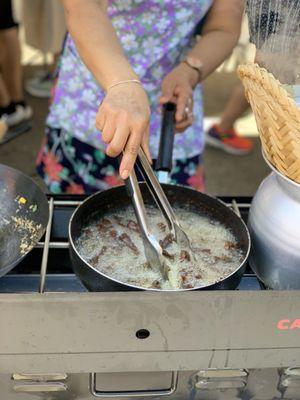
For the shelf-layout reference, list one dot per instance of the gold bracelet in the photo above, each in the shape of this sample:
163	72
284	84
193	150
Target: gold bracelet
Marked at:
123	82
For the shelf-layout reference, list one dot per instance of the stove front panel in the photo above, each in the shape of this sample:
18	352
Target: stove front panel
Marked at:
266	384
86	332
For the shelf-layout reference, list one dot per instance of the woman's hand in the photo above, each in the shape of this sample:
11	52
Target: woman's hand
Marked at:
123	118
177	87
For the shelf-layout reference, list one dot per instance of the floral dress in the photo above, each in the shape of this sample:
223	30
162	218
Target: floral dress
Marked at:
155	35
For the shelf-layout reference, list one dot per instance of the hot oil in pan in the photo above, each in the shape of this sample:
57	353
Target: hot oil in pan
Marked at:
113	245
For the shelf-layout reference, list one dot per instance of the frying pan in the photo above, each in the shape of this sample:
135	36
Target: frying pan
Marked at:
24	215
116	199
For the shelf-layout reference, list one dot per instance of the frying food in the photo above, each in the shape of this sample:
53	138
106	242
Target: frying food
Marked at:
113	246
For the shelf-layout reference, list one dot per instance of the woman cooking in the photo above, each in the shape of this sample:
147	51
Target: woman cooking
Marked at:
122	61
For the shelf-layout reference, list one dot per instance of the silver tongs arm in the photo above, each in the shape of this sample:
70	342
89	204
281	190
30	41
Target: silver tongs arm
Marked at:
162	202
153	250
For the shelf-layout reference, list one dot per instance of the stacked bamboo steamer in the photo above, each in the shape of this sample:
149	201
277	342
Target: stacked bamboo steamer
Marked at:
277	117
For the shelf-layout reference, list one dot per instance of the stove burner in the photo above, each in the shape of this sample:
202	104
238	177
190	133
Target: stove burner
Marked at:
56	274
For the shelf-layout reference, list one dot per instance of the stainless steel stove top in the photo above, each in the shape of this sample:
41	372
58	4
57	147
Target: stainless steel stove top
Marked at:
60	342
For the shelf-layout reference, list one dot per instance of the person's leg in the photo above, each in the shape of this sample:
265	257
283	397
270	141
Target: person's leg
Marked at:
223	135
4	96
54	30
235	108
6	22
4	103
11	64
14	110
41	84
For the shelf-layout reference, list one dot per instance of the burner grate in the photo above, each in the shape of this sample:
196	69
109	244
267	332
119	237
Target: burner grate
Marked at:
48	267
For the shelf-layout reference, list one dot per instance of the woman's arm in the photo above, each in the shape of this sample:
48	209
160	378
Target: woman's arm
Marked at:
123	117
96	41
220	34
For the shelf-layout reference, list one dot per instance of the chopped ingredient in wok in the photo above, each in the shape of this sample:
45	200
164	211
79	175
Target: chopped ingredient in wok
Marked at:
214	256
22	200
133	226
187	286
119	221
106	222
229	245
94	260
33	208
168	255
125	238
162	226
104	225
207	251
184	256
113	233
156	284
30	231
166	241
223	257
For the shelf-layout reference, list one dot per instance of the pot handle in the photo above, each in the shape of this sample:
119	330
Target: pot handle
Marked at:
235	208
166	144
134	393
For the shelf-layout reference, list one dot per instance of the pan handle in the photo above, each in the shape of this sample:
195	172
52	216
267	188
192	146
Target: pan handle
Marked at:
166	144
134	393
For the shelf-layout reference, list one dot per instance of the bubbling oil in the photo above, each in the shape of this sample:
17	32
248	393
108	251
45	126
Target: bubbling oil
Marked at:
113	245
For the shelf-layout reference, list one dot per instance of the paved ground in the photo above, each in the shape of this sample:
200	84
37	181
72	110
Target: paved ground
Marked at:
226	175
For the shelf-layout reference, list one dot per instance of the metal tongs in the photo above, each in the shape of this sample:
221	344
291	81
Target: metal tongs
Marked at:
153	250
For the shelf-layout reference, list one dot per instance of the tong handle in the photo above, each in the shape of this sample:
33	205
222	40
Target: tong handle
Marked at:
166	144
156	190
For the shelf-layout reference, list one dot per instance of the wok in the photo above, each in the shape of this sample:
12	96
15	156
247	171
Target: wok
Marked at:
24	215
110	201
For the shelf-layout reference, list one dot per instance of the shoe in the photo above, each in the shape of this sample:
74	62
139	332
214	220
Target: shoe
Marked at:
228	141
15	113
40	86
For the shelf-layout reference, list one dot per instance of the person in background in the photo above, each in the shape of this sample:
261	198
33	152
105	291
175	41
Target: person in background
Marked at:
13	109
121	62
45	29
223	134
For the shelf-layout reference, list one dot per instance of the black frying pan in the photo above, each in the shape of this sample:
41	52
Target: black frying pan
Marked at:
114	199
24	215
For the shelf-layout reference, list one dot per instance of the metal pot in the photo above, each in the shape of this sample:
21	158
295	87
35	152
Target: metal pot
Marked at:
274	224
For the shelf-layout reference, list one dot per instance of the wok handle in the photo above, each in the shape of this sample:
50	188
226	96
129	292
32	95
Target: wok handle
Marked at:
166	144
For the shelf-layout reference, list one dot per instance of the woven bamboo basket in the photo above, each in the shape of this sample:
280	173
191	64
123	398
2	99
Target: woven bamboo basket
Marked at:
277	117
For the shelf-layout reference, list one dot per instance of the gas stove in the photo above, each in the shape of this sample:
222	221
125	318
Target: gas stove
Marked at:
59	341
57	268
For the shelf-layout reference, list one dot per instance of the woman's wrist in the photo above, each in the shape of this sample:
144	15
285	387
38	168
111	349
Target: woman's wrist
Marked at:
118	70
124	82
193	75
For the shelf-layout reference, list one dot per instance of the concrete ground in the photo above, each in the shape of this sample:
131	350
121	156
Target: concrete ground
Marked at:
225	174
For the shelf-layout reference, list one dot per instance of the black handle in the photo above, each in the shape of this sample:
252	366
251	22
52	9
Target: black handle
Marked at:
164	158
